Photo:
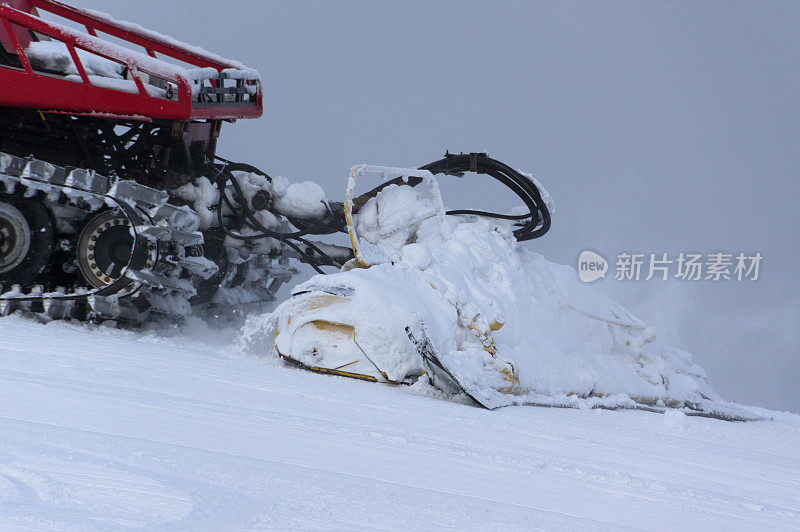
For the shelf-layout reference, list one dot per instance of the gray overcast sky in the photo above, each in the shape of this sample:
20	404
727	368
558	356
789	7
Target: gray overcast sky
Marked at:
657	127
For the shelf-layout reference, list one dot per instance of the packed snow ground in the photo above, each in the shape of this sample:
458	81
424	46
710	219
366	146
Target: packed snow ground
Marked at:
118	430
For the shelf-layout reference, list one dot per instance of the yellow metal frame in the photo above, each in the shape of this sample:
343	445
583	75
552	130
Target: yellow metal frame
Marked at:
360	170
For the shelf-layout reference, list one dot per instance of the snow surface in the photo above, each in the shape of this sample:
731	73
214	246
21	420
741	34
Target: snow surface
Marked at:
115	430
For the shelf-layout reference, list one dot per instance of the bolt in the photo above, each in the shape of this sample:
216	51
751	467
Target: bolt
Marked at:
260	200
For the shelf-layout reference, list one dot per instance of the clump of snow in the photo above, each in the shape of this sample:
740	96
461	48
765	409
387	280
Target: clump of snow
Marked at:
417	255
102	72
203	194
202	74
54	55
240	73
280	185
390	220
303	200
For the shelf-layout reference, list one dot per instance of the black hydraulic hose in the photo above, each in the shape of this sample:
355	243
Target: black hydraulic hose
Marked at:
523	187
286	241
315	228
531	225
452	164
224	176
249	217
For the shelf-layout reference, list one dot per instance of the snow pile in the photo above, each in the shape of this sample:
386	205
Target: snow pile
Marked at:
513	327
392	218
203	195
304	200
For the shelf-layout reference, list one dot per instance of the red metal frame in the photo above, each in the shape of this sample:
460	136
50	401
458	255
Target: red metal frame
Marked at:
31	89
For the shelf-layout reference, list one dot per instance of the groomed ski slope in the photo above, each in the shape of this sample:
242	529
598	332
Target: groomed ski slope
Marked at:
107	429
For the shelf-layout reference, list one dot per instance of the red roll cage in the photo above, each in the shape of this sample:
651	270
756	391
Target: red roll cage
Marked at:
141	86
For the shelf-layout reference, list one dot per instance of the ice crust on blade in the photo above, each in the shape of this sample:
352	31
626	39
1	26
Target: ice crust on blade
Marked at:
492	310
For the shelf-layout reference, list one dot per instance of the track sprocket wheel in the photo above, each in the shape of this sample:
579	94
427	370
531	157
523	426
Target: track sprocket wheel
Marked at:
107	247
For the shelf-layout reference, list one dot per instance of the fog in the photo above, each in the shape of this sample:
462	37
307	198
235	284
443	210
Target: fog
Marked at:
657	127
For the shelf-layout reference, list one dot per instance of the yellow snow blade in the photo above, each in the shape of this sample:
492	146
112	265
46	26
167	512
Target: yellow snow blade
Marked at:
329	347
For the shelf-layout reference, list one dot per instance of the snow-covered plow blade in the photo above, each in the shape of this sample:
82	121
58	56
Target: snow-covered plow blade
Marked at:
453	302
316	342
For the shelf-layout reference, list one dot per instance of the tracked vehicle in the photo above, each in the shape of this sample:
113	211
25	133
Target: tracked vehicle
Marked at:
113	201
